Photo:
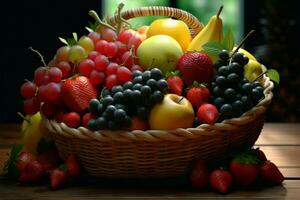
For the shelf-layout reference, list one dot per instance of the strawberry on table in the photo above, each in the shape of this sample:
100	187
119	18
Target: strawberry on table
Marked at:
23	159
72	166
58	177
270	172
175	83
221	180
49	159
33	172
260	154
77	92
198	94
199	176
244	168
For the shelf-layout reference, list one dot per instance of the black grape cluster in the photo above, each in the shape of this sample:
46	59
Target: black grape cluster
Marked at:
134	98
233	94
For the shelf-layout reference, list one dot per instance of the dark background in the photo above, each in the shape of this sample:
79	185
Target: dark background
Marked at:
40	23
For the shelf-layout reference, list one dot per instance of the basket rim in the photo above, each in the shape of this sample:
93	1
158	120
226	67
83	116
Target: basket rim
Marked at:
179	134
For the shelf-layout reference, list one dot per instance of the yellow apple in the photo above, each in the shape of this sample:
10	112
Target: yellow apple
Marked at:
177	29
161	51
173	112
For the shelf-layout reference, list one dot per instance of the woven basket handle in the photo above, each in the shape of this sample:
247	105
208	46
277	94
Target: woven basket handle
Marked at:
193	23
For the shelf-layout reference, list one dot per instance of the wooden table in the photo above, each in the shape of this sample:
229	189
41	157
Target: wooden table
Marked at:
280	142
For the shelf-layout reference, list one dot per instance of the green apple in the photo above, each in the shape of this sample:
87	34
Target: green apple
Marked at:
161	51
173	112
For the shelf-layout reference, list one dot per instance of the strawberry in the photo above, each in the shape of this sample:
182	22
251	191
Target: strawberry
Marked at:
244	168
199	176
175	83
207	113
49	159
270	172
58	178
72	166
71	119
86	118
196	66
260	155
33	172
77	92
23	159
220	180
197	95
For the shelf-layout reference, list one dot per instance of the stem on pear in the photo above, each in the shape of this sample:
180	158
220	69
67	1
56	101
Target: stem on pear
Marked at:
93	14
219	11
242	42
23	117
40	55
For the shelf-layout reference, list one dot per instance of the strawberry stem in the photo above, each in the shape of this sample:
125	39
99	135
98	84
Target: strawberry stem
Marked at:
40	55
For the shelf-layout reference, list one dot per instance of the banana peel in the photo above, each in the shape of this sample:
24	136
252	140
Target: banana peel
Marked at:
211	32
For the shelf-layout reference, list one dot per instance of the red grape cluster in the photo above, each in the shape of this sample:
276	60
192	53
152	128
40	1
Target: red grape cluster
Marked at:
106	58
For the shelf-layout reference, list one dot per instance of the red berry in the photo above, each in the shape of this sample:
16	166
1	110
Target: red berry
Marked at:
108	34
111	68
86	66
33	172
71	119
28	89
122	48
127	59
92	55
65	68
111	81
72	165
207	113
135	41
198	95
54	74
31	106
48	109
136	68
111	49
101	63
59	117
124	75
86	118
220	180
199	176
58	178
52	91
270	172
97	77
100	46
125	36
41	93
23	159
94	36
40	76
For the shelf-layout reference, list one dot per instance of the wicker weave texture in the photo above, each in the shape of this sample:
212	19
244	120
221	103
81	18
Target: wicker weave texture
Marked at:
156	153
189	19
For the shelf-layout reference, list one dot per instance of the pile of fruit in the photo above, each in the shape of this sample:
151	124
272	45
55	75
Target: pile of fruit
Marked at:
155	77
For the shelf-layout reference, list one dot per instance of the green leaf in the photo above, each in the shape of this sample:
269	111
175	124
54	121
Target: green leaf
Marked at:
273	75
212	48
71	41
93	26
89	29
63	40
10	167
228	40
263	68
75	36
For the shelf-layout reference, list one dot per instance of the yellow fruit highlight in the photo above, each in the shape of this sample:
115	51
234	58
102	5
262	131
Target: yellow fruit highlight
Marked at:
173	112
211	32
33	130
177	29
246	53
252	70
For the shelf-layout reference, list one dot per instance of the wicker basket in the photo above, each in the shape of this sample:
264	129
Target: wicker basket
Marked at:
157	153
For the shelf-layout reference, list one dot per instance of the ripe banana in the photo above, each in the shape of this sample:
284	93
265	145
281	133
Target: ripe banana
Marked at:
211	32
